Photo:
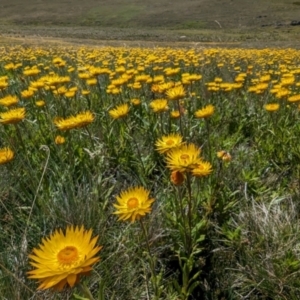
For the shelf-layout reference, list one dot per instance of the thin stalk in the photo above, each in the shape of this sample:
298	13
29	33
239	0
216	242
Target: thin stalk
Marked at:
137	148
20	137
152	264
190	212
87	293
180	121
183	217
20	281
91	138
161	123
208	138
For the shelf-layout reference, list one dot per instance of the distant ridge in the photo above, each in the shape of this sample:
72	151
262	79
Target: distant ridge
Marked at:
168	14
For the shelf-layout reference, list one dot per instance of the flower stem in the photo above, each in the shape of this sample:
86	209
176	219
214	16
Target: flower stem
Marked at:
208	138
190	213
180	116
91	138
87	293
152	264
20	137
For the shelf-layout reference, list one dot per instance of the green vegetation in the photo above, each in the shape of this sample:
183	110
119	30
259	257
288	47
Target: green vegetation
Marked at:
80	126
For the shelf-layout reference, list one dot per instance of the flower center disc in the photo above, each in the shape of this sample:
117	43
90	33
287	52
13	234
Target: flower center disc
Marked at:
68	255
169	142
132	202
184	156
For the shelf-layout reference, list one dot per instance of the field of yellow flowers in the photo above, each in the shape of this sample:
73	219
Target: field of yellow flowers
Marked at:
135	173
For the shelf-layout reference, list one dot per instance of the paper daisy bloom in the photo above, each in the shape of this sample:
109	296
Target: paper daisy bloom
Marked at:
184	158
205	112
62	258
6	155
12	116
294	98
168	142
80	120
9	100
40	103
135	101
176	93
271	107
202	169
133	204
159	105
59	140
175	114
119	112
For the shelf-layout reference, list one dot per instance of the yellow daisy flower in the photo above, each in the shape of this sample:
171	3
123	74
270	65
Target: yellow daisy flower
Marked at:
9	100
175	114
294	98
70	94
62	258
202	169
85	92
80	120
271	107
159	105
135	101
133	204
12	116
27	93
91	81
3	84
40	103
60	91
168	142
184	158
59	140
119	112
6	155
205	112
176	93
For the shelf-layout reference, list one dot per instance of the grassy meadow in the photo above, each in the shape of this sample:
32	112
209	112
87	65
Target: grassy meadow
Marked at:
248	23
183	161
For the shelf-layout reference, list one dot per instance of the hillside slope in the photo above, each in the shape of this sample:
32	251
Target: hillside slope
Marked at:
189	14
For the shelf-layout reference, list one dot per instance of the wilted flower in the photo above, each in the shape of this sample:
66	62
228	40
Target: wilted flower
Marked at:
177	178
225	156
